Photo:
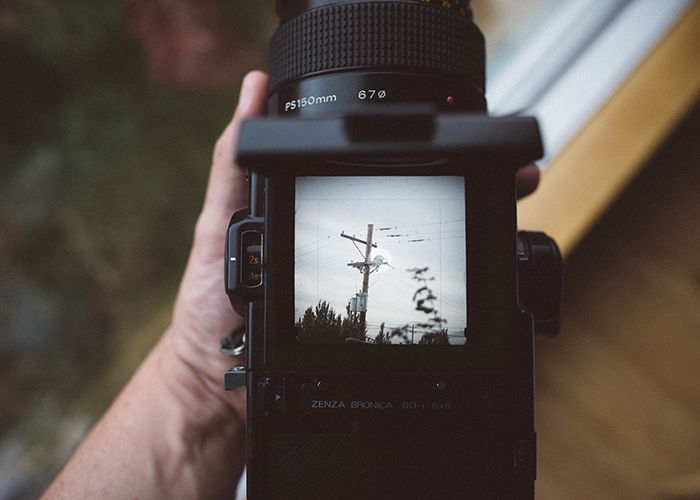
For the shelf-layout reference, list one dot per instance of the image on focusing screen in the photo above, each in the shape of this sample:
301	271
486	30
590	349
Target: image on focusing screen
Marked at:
380	260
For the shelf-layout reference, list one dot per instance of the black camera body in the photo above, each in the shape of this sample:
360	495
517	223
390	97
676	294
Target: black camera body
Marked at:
390	302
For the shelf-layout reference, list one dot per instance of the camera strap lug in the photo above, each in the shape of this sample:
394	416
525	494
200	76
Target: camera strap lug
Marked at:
234	344
235	377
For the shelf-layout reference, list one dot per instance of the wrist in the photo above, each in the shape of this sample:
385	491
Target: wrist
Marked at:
166	435
201	420
192	378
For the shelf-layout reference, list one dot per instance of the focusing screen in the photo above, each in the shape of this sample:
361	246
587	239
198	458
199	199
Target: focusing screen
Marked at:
380	260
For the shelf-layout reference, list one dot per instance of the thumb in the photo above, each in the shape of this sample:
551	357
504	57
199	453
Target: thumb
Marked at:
226	191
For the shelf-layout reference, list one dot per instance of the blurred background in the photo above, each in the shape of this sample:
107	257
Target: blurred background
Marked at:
108	114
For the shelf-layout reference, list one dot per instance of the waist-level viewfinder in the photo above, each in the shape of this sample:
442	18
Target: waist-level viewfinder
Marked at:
390	302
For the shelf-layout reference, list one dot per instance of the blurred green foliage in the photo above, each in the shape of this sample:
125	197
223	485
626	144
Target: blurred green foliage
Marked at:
103	170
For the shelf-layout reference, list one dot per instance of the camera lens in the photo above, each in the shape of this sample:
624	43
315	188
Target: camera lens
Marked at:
328	56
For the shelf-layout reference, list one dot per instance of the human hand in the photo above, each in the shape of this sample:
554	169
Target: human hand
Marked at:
527	179
203	314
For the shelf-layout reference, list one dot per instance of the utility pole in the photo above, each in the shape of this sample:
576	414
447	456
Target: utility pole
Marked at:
365	267
365	271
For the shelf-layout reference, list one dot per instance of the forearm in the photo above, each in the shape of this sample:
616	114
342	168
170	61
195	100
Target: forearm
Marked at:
165	436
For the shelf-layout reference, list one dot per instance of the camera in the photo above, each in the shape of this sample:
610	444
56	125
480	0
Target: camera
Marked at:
390	300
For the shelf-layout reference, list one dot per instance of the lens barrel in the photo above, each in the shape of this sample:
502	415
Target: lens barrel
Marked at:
328	56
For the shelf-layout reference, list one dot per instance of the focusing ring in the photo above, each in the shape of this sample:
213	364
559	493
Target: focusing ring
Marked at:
386	36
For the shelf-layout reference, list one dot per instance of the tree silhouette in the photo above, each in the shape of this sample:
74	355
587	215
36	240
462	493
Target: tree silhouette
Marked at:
424	299
439	338
321	325
381	337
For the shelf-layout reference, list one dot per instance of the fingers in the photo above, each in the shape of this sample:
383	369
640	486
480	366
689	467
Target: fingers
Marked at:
226	191
527	179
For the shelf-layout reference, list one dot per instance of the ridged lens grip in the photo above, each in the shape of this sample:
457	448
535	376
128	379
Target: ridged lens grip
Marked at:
396	36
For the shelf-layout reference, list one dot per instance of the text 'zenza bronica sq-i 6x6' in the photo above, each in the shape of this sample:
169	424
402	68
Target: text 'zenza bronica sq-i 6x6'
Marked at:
390	302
